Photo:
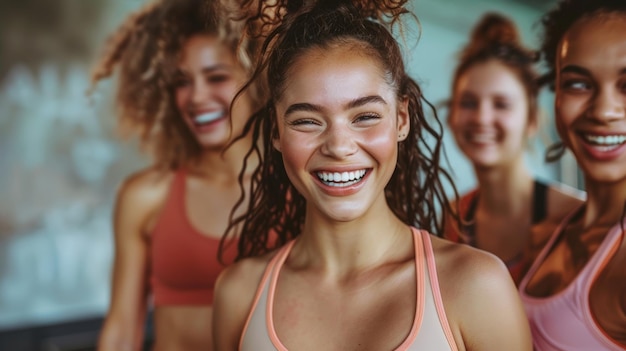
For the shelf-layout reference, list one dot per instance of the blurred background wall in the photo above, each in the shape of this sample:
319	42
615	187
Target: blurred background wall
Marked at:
61	160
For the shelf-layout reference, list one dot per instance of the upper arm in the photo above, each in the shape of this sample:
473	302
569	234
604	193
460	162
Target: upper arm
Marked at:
492	316
135	204
235	290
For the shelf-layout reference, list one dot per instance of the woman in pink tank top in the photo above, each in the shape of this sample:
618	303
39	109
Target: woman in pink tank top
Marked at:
345	136
180	64
575	293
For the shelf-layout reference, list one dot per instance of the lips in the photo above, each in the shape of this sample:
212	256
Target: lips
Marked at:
604	147
341	179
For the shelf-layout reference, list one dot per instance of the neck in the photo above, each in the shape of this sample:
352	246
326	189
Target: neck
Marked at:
224	165
605	203
505	190
342	248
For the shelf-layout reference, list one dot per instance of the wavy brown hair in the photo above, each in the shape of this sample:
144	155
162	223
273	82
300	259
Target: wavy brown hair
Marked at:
415	192
145	50
495	37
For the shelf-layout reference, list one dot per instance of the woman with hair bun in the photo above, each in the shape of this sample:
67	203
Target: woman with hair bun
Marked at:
179	65
346	139
493	113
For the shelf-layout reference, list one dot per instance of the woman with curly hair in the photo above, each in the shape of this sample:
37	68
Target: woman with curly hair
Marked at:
179	63
345	138
575	292
492	116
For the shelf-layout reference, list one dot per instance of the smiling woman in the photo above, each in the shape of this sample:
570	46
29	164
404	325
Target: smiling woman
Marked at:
343	140
180	66
492	115
575	293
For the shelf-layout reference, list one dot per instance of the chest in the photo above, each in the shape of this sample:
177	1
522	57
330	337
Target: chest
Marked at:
374	313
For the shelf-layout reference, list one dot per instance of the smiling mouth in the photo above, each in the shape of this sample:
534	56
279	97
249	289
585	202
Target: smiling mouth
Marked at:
208	117
605	142
481	137
341	179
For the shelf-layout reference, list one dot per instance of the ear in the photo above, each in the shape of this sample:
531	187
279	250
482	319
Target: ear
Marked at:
403	119
276	141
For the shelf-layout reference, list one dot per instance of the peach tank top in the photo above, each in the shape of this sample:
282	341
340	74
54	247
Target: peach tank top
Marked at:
430	329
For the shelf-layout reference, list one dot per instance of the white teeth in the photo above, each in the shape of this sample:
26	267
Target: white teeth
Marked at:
482	137
606	140
341	179
208	117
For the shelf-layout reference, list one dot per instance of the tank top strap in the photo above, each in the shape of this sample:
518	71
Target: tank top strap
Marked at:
600	259
260	312
547	248
433	281
175	202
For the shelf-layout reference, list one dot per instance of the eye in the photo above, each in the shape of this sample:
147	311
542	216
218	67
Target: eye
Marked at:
217	78
367	117
468	104
622	86
575	85
303	124
502	105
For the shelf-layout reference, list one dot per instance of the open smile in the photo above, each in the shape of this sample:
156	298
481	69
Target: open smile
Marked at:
208	117
341	179
604	143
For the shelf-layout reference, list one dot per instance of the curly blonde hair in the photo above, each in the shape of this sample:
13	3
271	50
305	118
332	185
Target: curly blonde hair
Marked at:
145	49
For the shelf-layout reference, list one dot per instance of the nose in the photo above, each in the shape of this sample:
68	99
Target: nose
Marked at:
483	114
339	142
201	92
608	104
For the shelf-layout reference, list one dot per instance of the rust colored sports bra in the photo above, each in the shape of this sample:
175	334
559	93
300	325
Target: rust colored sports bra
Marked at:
183	261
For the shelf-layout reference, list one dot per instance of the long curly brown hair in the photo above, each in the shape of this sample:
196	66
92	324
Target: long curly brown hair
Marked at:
415	192
145	49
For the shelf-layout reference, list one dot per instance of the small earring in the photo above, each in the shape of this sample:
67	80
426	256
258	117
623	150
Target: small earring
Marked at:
401	135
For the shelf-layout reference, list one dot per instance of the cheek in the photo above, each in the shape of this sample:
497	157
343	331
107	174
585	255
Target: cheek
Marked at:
382	144
296	149
181	96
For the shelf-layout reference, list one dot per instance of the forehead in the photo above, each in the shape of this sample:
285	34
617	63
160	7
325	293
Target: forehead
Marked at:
335	73
490	77
204	48
595	41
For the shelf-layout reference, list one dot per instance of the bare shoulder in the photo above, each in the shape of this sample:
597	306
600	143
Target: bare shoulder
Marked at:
464	266
562	199
235	292
243	277
480	299
140	196
147	184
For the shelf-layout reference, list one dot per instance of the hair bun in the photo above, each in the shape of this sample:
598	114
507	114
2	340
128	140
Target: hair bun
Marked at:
492	30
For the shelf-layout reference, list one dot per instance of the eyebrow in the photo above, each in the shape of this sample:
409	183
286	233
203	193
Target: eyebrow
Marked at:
583	71
208	69
352	104
575	69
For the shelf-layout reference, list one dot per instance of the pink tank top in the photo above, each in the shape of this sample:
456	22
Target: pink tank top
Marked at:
183	261
564	321
430	329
